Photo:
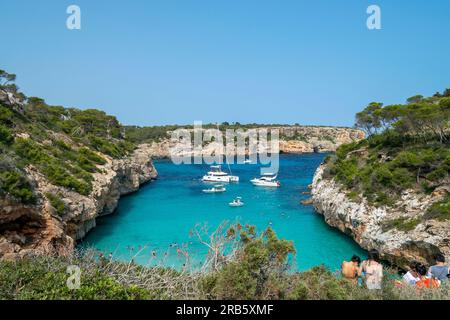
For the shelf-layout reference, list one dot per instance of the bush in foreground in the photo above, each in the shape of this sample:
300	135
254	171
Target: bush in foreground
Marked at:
255	267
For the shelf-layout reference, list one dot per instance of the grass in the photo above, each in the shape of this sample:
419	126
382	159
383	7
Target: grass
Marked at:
56	202
45	278
402	224
353	195
440	210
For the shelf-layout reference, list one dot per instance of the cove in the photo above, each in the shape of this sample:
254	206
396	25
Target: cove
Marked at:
152	223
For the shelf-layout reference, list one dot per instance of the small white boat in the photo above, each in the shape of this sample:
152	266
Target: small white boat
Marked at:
217	175
236	202
247	161
216	189
266	180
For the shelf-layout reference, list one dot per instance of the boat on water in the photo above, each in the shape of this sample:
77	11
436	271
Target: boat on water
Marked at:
217	175
216	189
248	161
266	180
236	202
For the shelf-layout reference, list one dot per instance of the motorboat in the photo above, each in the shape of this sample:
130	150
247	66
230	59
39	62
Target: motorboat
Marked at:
266	180
217	175
216	189
236	202
247	161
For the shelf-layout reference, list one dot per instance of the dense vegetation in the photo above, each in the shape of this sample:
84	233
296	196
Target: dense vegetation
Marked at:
66	145
408	148
157	133
257	268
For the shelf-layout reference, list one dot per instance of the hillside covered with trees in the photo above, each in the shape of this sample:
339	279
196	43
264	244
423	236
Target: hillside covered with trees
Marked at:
64	144
407	148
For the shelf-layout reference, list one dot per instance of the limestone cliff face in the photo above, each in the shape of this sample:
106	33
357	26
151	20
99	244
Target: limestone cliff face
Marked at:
293	139
364	223
39	229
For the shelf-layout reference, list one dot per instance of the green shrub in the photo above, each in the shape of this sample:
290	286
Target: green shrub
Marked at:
439	210
54	167
86	164
36	279
62	145
402	178
256	270
347	171
319	283
402	224
92	156
30	151
56	203
107	147
15	184
6	115
60	177
353	195
385	169
247	276
6	136
383	198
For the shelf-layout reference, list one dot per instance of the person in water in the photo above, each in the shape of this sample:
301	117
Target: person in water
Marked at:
350	269
439	271
411	277
373	270
424	281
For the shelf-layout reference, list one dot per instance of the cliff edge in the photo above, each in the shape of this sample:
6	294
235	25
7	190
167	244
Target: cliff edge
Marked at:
40	229
368	225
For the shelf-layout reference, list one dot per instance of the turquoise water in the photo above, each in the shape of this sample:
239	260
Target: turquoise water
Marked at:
151	224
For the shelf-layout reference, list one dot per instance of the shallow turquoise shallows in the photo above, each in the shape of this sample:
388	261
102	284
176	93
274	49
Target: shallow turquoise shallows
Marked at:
151	225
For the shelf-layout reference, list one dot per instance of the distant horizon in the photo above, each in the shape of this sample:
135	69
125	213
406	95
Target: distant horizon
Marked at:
244	124
155	63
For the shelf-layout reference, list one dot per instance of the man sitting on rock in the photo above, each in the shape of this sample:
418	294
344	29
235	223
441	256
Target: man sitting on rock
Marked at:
439	271
350	270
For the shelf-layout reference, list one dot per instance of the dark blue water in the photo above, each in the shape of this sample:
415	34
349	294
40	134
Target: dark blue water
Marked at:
151	224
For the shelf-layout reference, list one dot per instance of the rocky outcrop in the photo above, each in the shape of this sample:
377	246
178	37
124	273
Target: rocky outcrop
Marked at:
38	229
11	99
293	139
366	224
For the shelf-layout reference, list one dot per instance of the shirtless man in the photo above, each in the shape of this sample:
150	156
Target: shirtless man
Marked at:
350	270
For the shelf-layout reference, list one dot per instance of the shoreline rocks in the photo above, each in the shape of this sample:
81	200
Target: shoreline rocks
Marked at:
295	139
366	223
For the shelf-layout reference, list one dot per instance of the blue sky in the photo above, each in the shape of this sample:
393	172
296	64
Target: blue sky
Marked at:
163	62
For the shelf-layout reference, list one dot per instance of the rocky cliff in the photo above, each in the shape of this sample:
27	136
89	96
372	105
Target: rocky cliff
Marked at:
366	224
293	139
37	229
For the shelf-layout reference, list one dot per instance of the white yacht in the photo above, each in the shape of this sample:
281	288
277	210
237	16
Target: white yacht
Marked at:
216	189
266	180
236	202
217	175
